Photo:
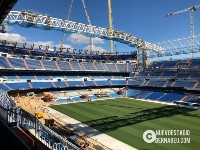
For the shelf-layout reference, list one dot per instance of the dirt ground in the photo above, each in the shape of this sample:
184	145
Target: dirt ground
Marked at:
36	104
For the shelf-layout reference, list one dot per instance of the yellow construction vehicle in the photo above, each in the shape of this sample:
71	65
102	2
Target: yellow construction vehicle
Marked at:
39	114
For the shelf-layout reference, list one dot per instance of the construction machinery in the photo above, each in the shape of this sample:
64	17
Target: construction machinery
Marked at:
88	19
39	114
47	97
64	34
110	24
191	10
89	22
120	92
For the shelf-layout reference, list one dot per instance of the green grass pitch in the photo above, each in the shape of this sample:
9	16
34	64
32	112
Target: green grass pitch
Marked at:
127	119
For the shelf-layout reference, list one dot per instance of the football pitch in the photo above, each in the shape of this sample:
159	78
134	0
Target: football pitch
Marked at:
127	120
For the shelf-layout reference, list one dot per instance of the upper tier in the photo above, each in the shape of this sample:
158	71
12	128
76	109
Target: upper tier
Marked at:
59	65
176	64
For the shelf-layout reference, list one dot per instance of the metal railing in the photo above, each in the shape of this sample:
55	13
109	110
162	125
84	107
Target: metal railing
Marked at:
11	114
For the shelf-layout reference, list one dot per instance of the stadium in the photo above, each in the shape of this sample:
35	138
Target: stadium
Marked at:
67	99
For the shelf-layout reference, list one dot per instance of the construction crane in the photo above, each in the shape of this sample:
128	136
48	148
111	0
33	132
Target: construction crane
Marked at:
191	10
89	22
64	34
110	23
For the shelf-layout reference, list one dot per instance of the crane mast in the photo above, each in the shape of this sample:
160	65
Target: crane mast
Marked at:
191	10
110	23
192	29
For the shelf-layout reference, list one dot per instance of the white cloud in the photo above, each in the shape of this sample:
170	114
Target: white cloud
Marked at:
12	37
95	48
76	38
98	41
21	39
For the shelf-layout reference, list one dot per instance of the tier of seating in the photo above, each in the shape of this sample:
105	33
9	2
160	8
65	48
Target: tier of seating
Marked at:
48	82
42	84
156	95
159	74
191	84
173	73
188	63
33	64
55	75
166	74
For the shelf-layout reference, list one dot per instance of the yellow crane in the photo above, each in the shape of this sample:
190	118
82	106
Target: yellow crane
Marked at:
110	24
191	10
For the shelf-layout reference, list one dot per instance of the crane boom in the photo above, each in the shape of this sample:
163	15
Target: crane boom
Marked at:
193	8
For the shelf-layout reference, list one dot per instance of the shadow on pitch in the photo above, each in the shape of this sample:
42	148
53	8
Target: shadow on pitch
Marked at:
112	123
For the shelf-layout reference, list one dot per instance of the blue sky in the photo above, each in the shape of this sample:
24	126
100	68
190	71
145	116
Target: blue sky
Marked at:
142	18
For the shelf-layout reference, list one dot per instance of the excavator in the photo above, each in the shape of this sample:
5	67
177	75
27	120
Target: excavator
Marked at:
47	97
